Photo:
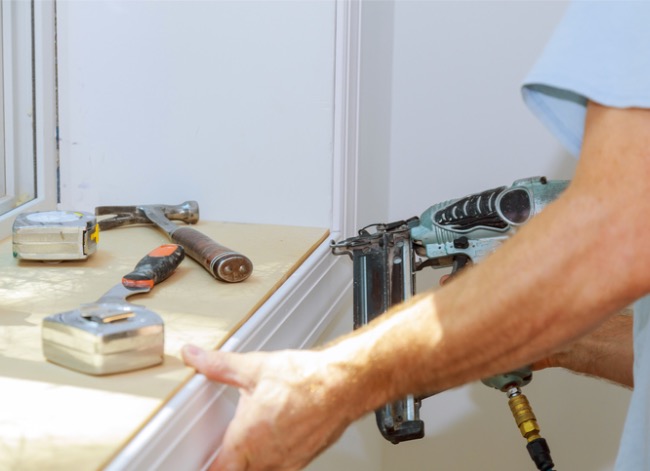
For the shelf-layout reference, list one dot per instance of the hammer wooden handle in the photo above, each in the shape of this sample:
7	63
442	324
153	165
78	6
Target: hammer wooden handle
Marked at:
223	263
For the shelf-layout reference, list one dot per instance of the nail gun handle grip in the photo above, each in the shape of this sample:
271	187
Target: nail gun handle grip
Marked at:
223	263
155	267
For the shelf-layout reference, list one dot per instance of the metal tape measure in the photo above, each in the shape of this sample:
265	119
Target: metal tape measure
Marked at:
55	235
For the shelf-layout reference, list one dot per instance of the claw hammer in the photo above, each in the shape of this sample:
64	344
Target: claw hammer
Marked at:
220	261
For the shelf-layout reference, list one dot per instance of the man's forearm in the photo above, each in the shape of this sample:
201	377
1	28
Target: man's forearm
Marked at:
504	313
546	287
606	353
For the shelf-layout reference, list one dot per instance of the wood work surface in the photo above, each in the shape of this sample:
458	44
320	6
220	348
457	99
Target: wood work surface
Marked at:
57	419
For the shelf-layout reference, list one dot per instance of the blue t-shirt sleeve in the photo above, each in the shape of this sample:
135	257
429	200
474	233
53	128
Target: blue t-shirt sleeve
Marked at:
600	51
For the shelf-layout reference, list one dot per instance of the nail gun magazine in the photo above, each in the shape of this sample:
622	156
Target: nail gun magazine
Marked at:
452	234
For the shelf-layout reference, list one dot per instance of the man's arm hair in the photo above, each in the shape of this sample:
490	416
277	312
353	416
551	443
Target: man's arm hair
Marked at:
544	288
606	353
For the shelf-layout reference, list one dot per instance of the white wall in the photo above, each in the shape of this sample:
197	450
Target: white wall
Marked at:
229	103
458	122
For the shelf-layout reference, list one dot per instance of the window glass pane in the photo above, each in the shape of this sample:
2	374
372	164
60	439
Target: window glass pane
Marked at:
17	130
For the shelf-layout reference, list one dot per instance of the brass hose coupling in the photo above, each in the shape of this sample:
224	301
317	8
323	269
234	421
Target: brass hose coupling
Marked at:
523	414
527	422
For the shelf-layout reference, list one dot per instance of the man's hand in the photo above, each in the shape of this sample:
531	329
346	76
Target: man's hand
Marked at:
288	412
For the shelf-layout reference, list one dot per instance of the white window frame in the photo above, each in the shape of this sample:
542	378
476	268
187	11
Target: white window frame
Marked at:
28	114
189	428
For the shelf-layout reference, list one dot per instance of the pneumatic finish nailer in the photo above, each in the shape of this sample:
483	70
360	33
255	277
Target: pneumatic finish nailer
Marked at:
451	234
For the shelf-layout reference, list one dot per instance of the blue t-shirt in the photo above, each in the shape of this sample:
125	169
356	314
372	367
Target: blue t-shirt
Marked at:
600	51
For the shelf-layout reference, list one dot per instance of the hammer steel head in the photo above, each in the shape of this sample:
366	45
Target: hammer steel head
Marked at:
187	212
104	338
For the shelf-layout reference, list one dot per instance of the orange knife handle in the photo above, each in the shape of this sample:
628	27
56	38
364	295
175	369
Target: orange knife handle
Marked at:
155	267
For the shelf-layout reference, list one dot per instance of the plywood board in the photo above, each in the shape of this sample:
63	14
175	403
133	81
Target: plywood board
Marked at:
54	418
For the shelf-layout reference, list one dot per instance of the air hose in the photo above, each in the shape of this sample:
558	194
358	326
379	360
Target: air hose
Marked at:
527	422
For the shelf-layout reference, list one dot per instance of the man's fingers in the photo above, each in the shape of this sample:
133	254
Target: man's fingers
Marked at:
224	367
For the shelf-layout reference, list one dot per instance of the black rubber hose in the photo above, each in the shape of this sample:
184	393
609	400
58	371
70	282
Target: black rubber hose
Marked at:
540	453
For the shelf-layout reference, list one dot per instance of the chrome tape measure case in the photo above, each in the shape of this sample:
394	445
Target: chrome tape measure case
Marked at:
55	235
